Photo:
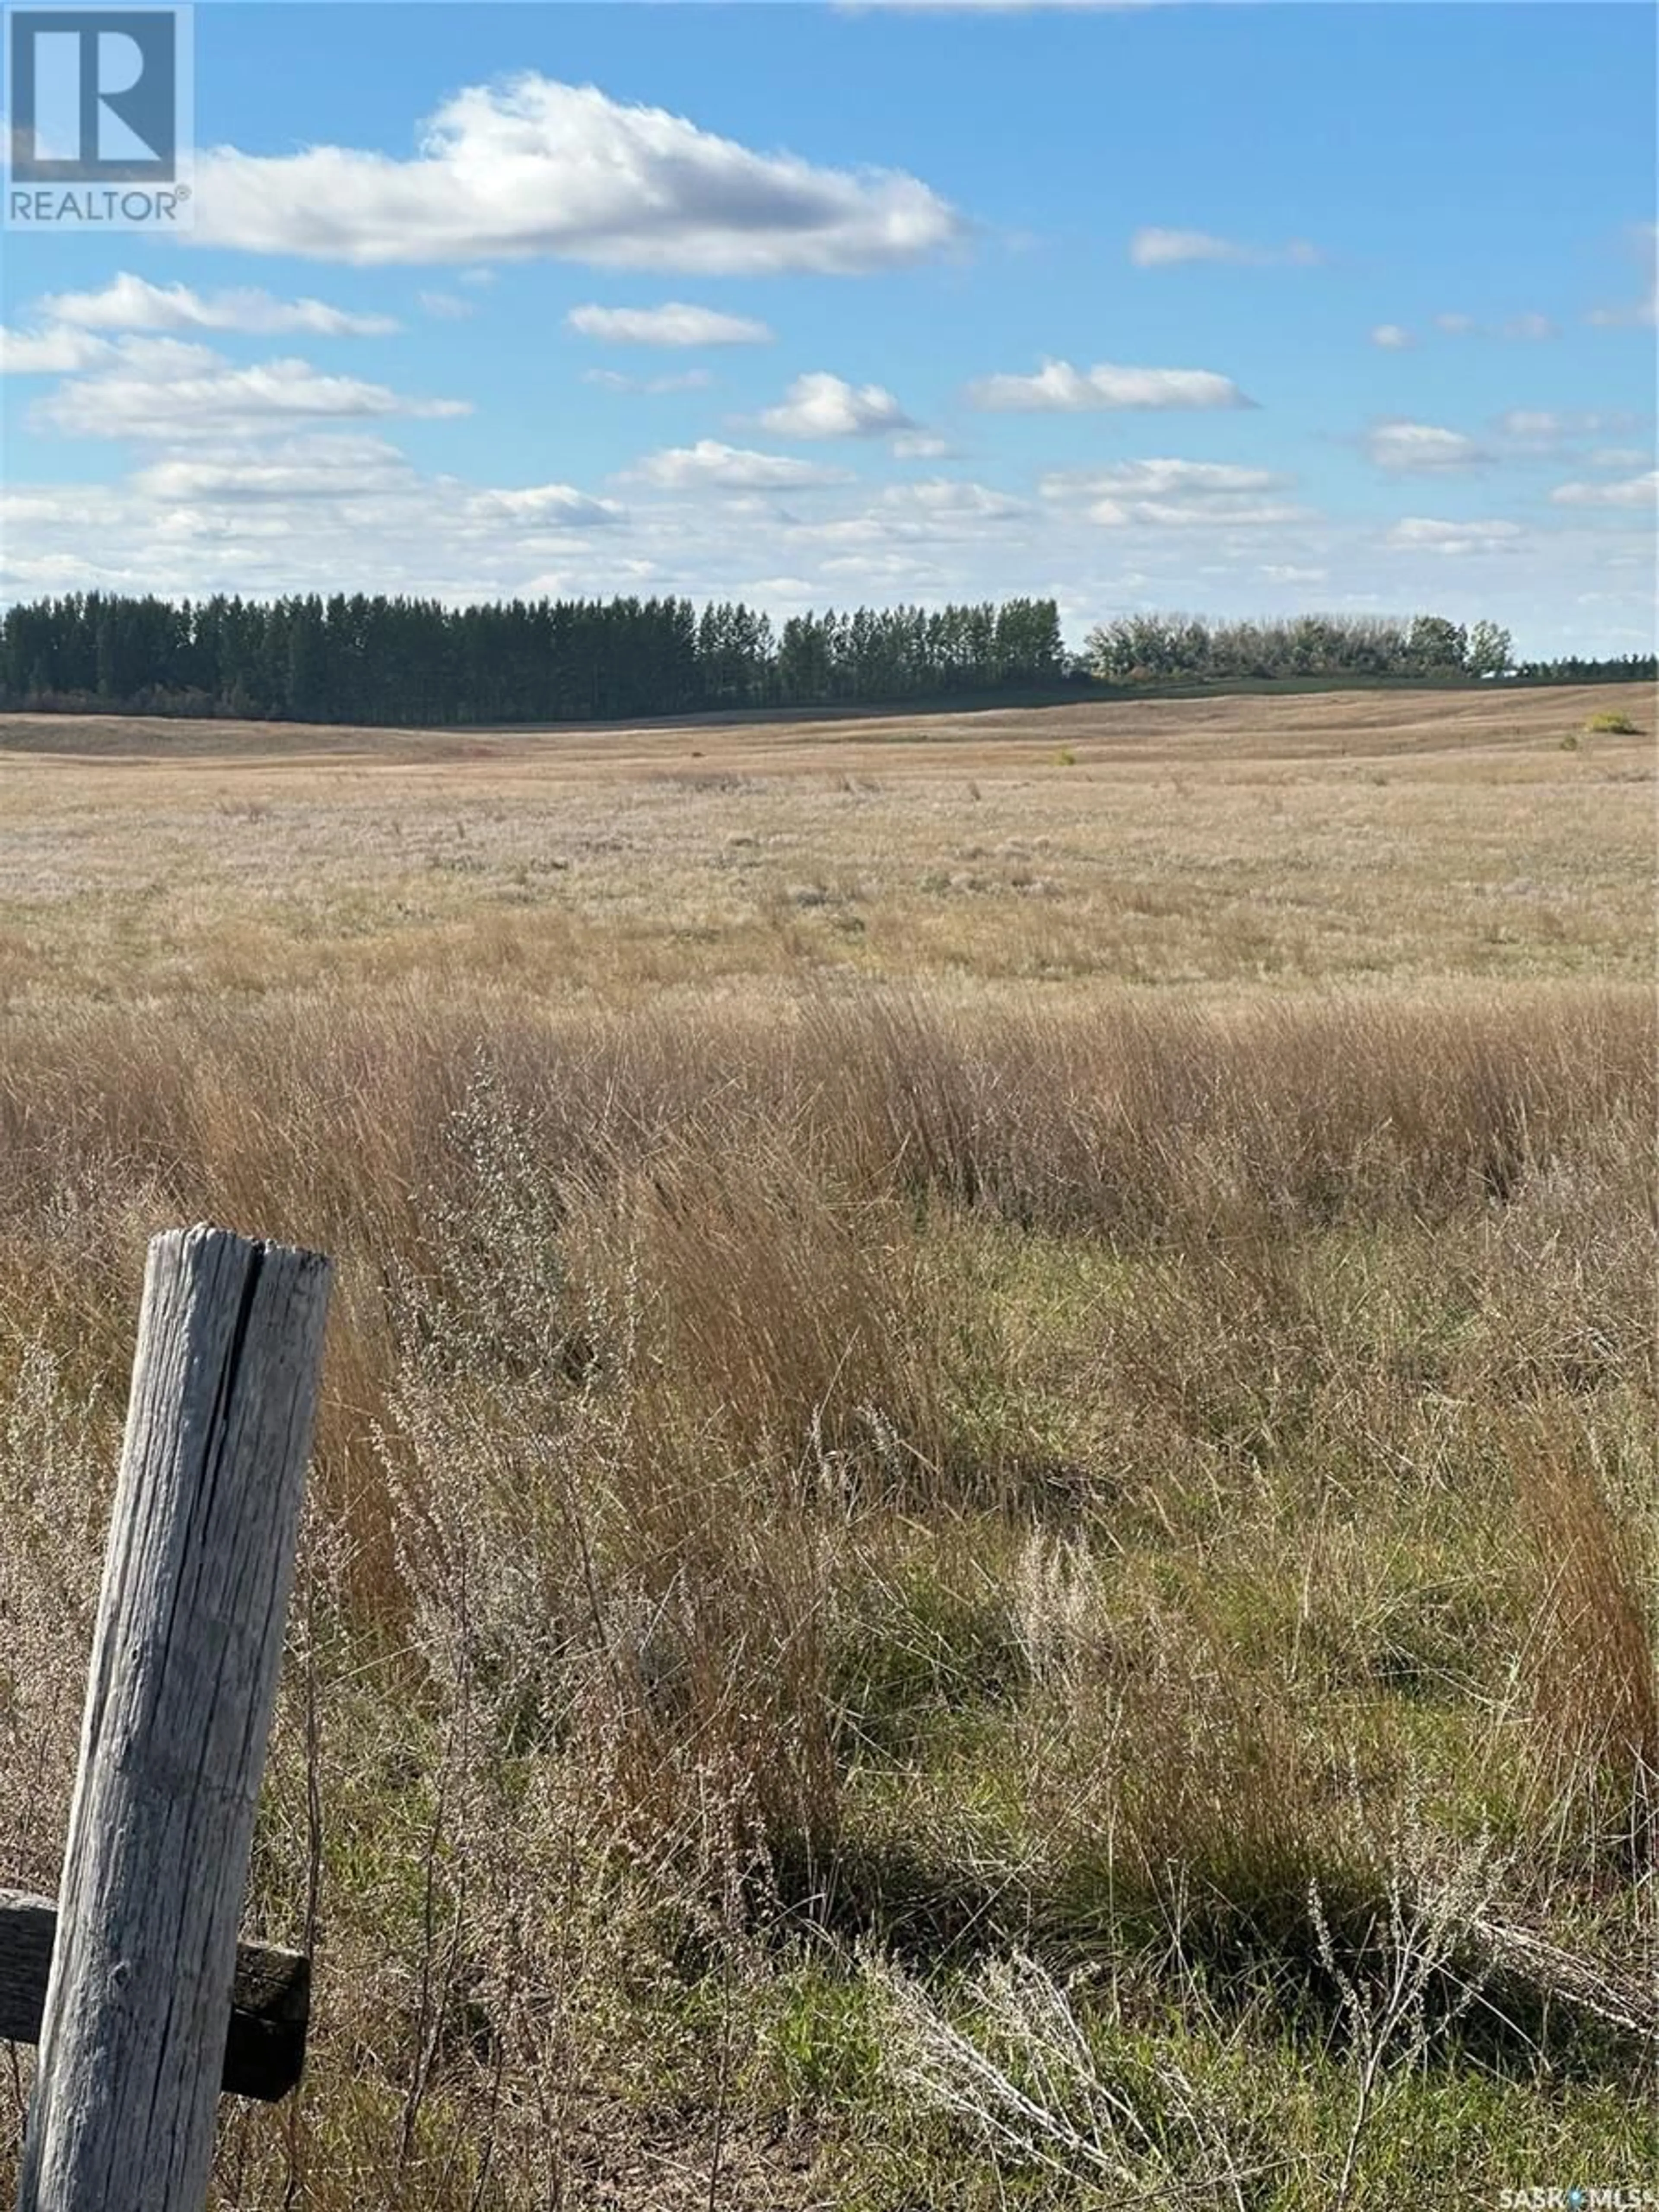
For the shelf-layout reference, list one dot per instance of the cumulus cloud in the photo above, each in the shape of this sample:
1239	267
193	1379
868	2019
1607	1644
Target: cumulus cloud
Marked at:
255	515
165	390
1422	533
1189	514
710	465
541	504
132	303
1536	422
920	445
533	167
1623	491
819	405
1393	337
892	571
1456	325
58	351
272	514
1158	479
1421	448
318	465
1153	248
673	324
1058	387
1165	494
931	512
1545	430
950	498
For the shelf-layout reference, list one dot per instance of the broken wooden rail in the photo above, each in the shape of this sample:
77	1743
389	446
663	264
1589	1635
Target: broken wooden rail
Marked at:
148	2007
270	2005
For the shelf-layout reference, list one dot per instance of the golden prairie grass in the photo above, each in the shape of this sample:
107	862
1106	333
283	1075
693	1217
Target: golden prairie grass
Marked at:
913	1592
1280	842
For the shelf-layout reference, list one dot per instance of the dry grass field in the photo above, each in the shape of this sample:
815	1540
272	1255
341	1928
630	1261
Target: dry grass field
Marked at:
982	1531
1295	841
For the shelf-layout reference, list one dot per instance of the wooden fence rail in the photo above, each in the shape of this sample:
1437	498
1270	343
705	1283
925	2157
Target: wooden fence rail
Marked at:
269	2009
144	1969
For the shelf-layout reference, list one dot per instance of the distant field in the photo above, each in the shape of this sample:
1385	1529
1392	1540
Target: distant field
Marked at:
1356	836
983	1532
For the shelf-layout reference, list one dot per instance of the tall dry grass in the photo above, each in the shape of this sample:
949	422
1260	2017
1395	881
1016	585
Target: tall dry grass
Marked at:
885	1472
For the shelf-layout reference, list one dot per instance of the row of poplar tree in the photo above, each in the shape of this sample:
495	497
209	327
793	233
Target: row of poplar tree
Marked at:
1175	648
380	660
361	660
1148	649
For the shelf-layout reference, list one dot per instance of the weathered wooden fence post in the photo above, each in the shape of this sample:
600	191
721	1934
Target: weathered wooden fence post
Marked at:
173	1744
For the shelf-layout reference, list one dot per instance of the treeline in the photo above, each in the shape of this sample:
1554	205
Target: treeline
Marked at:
406	660
1174	648
363	660
1628	668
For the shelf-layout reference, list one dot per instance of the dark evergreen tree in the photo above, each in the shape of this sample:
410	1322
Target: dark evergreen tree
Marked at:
378	659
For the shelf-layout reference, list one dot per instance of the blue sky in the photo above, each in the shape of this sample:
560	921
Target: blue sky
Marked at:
1235	309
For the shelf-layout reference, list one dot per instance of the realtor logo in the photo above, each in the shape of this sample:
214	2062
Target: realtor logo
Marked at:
98	101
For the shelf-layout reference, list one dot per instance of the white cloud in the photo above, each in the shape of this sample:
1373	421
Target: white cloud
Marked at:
1164	493
275	514
56	352
932	512
557	503
1393	337
1421	448
1456	325
1529	326
1059	387
321	466
1623	491
391	526
1420	533
1158	478
612	379
897	570
1619	457
1165	249
819	405
1536	422
163	390
920	445
952	498
1187	514
710	465
1545	427
532	167
132	303
674	324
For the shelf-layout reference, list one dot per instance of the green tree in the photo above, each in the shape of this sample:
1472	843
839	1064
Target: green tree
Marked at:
1435	644
1489	649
